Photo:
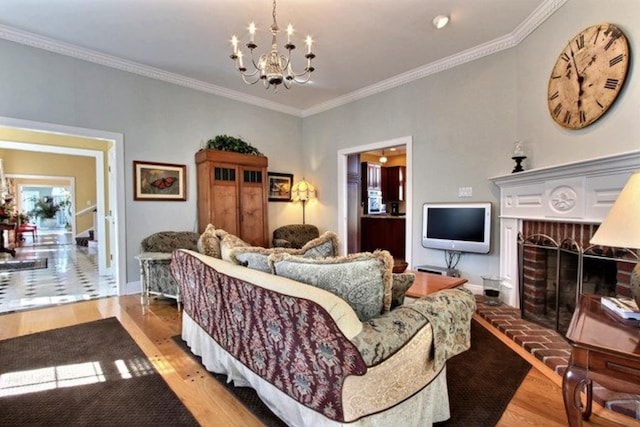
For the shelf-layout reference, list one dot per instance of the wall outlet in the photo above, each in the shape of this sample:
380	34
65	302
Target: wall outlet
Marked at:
465	191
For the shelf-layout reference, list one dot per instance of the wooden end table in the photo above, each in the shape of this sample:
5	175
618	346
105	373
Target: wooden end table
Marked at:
428	283
606	349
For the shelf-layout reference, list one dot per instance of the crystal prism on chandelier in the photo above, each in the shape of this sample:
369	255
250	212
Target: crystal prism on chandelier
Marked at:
273	68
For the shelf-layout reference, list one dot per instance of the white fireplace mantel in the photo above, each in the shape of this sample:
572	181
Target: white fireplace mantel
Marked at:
581	192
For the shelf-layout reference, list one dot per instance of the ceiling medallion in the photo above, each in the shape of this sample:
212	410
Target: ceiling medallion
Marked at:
273	68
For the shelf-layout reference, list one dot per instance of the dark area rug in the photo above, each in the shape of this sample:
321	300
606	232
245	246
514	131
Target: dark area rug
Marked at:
481	382
23	264
91	374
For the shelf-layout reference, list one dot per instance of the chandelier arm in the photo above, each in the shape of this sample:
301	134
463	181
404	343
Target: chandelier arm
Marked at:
249	82
253	61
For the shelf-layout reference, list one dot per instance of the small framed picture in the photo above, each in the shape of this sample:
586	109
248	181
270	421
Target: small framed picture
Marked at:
280	186
159	181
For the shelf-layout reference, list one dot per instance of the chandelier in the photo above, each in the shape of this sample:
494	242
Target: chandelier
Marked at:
273	68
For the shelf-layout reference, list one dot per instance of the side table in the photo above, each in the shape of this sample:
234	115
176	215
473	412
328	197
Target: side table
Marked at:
145	259
427	283
606	349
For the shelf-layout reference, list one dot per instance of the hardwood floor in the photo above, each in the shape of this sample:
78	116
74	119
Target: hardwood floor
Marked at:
538	401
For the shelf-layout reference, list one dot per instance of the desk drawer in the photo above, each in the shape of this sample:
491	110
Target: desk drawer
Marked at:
614	366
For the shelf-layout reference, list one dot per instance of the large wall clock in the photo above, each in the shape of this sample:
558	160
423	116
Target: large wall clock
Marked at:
588	76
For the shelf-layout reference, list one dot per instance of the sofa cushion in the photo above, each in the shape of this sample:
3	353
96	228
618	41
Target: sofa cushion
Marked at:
258	258
209	243
363	280
399	287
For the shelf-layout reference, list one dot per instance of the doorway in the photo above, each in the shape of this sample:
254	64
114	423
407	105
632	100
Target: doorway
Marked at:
346	204
109	223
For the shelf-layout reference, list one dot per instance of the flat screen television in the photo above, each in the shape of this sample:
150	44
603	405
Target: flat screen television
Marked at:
463	227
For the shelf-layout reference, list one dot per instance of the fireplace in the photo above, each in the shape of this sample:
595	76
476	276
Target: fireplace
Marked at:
557	264
547	216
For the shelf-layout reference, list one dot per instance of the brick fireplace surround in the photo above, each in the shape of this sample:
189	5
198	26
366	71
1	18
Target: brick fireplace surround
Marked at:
571	200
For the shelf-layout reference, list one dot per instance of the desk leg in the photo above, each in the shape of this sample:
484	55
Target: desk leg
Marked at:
573	381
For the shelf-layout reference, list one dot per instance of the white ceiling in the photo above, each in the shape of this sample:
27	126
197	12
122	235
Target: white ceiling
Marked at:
362	46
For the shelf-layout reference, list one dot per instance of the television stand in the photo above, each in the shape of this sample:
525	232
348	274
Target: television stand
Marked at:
443	271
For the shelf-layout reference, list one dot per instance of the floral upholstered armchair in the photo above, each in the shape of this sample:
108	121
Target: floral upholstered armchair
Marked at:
294	236
155	259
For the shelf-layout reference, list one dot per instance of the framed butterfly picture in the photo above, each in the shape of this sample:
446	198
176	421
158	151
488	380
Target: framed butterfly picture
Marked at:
159	181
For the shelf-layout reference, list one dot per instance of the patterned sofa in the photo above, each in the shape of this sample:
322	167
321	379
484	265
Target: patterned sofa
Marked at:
306	351
159	272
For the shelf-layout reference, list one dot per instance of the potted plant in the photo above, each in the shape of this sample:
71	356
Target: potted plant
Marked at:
46	211
231	143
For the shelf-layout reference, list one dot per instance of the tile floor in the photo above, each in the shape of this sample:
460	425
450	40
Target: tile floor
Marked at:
71	274
553	350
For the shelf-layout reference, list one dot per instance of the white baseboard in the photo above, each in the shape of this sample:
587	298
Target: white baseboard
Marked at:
131	288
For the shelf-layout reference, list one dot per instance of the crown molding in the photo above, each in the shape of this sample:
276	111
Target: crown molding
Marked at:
535	19
67	49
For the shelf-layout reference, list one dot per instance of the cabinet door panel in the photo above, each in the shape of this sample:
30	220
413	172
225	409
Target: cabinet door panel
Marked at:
224	207
252	218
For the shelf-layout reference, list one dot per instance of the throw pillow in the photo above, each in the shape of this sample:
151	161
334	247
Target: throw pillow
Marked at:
255	257
208	243
363	280
323	246
258	258
228	242
399	287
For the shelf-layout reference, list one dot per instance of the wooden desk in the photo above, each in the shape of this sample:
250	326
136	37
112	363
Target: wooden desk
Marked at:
606	350
427	283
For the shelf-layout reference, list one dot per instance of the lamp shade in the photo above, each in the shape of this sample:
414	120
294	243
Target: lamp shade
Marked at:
303	191
621	227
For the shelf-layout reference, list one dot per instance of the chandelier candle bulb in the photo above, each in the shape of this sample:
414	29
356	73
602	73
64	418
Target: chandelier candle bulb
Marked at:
289	33
234	42
252	31
309	42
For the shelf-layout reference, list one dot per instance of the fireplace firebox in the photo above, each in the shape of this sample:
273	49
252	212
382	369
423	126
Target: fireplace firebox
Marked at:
557	264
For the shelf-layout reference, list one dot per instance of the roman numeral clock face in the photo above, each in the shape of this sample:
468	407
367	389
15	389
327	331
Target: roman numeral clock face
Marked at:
588	76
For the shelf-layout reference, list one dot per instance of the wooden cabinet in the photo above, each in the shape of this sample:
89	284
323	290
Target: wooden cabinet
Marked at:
381	232
371	176
232	194
393	184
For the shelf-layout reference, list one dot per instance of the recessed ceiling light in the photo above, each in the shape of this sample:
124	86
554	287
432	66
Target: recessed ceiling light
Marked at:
440	21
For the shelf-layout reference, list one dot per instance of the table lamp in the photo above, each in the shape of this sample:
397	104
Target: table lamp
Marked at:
621	227
303	191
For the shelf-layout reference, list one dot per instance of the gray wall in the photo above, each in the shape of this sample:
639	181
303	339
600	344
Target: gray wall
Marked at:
464	122
160	122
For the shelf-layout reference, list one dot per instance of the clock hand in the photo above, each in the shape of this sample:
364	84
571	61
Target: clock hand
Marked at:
578	75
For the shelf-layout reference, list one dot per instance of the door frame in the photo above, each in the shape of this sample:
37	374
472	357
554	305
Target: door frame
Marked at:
118	261
342	189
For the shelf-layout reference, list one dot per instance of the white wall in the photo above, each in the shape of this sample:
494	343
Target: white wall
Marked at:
160	122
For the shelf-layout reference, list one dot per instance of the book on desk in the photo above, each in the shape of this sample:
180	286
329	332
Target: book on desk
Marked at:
622	306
